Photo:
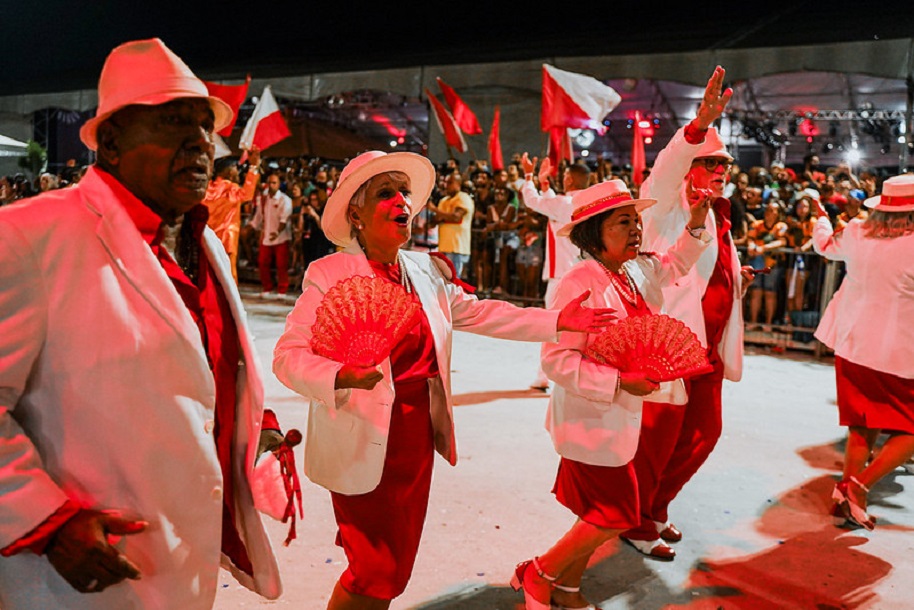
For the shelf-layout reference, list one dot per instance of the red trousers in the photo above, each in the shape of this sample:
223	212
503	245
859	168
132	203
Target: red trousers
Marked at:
675	441
265	257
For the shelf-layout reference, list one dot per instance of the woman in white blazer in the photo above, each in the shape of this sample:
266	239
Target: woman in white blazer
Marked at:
594	413
373	431
868	325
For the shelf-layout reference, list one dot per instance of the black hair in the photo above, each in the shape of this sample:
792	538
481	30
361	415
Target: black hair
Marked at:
587	235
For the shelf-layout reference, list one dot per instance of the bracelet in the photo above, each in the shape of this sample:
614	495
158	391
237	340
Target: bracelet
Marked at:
696	231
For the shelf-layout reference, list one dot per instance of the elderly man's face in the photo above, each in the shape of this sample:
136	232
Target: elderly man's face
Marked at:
163	154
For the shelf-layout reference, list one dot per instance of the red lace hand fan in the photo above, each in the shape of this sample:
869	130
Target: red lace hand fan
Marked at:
661	346
361	319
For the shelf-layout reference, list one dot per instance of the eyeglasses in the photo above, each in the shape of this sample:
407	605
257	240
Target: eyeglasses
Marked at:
712	163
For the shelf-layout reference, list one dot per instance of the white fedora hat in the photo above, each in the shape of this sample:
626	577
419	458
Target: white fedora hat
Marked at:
897	195
421	172
149	73
599	198
713	146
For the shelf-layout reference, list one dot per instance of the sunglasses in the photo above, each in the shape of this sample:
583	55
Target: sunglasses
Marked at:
712	163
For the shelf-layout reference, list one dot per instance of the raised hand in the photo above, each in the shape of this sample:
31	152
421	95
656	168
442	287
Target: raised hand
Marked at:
714	100
527	165
82	554
575	317
699	204
545	170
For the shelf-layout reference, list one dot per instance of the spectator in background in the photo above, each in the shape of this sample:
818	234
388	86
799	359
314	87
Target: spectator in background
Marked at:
314	244
854	209
764	238
752	196
501	229
454	215
48	182
812	175
800	222
273	219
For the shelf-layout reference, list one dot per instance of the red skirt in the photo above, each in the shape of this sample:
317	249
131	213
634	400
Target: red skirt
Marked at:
868	398
380	530
604	496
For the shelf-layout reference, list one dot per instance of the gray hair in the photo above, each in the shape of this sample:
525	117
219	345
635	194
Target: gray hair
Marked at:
886	225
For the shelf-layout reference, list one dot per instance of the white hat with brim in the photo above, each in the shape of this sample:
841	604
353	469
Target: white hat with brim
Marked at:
146	72
600	198
335	219
897	195
713	147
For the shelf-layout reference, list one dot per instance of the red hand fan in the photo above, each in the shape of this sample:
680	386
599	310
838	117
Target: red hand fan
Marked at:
661	346
361	319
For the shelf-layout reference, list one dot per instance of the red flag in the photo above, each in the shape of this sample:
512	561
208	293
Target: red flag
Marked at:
233	95
464	117
266	126
560	148
452	136
639	163
575	100
498	162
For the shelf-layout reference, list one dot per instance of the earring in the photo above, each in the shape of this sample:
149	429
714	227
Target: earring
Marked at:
359	226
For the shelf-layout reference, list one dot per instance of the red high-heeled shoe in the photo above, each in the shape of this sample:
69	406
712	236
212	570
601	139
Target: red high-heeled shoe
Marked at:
853	512
566	589
517	583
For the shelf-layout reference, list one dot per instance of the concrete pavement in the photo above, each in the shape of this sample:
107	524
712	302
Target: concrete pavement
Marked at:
755	524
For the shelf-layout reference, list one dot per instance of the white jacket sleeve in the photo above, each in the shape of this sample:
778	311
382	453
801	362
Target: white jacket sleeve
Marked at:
294	362
824	240
28	495
564	361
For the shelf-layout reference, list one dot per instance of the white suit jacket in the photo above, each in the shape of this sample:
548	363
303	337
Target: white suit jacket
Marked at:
588	421
346	441
868	320
106	398
663	224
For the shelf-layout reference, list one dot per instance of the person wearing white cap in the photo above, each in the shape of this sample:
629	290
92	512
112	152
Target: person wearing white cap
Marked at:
130	391
594	412
868	325
677	440
373	430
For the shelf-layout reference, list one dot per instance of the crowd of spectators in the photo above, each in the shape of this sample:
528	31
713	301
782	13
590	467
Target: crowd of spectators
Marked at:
773	211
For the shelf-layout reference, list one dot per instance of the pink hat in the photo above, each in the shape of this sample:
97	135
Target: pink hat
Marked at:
713	146
601	197
146	72
335	221
897	195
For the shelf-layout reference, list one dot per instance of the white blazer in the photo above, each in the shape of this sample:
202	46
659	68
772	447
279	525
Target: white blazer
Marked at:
346	440
106	398
868	320
663	223
588	420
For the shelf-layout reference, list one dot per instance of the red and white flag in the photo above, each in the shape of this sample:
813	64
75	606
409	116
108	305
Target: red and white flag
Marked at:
446	123
234	96
266	126
575	100
495	156
572	101
464	117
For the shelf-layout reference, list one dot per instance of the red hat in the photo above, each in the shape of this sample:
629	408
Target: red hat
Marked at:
147	72
897	195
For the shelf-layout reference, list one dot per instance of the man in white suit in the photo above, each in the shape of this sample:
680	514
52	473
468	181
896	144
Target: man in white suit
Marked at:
130	391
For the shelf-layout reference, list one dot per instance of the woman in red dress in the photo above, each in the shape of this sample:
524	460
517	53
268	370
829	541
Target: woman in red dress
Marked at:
595	410
373	430
868	325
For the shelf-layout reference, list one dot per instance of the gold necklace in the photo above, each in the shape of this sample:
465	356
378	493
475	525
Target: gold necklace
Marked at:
628	291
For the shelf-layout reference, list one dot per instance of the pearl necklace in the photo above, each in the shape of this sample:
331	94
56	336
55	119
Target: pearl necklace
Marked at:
628	292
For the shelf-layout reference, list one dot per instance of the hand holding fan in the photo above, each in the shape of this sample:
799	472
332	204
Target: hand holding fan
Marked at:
661	346
361	319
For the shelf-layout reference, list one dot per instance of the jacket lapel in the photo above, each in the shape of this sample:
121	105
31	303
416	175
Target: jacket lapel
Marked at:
136	262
